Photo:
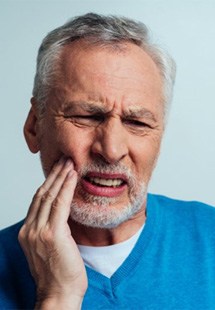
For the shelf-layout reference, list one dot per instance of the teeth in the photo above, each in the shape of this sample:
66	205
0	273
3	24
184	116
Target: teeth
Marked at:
106	182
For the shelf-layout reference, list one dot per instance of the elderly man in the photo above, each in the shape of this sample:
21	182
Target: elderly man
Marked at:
93	237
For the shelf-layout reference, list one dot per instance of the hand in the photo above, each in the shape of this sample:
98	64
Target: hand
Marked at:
52	254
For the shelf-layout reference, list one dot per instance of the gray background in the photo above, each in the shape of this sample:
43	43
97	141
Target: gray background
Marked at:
186	28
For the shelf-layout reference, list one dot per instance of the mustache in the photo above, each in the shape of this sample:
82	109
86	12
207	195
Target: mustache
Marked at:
102	167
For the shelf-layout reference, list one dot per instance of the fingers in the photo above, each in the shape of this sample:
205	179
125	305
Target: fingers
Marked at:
41	205
50	198
60	209
51	252
36	201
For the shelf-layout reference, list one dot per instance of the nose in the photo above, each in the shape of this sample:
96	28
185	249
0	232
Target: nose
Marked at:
110	141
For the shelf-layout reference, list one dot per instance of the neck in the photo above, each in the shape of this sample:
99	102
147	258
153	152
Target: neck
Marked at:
84	235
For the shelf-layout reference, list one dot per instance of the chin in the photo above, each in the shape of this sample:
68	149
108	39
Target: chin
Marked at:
105	212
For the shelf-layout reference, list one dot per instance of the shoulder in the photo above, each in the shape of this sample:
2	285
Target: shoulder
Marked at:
184	205
192	214
10	233
11	229
14	272
9	245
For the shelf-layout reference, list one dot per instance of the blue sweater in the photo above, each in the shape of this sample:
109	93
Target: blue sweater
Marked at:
172	266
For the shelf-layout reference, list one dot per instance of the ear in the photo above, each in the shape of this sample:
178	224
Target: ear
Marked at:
31	129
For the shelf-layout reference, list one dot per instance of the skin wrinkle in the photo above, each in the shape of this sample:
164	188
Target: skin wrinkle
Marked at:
132	111
79	149
113	141
74	108
79	118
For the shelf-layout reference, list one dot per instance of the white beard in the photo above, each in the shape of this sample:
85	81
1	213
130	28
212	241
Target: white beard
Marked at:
103	212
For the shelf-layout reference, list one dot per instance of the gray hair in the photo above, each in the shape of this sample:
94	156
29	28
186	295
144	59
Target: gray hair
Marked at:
100	30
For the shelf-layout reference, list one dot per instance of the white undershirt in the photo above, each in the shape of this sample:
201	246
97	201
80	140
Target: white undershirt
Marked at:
107	259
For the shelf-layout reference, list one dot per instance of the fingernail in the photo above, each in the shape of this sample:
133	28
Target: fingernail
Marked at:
70	174
68	162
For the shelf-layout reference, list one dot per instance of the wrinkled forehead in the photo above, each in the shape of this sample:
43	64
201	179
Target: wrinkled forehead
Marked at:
103	74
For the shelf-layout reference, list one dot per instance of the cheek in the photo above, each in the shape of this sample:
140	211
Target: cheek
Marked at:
145	155
64	139
75	144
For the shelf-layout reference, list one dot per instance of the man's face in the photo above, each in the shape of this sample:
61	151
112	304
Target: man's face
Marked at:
106	114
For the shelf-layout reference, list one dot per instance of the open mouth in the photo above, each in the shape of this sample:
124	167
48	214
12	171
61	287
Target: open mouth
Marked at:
105	182
109	185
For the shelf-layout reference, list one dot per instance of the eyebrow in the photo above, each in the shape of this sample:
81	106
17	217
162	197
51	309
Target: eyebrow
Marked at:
131	112
74	106
136	112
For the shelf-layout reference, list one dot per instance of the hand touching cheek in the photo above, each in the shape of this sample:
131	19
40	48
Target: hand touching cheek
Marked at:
52	254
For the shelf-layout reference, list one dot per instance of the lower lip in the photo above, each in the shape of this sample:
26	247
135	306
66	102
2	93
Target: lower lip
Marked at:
103	191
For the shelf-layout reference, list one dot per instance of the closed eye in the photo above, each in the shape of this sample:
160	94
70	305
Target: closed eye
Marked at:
88	120
135	123
137	127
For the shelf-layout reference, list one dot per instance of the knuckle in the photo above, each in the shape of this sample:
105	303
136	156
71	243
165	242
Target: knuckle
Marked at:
39	240
57	202
35	198
22	233
26	235
40	192
31	236
61	175
46	236
40	237
47	197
